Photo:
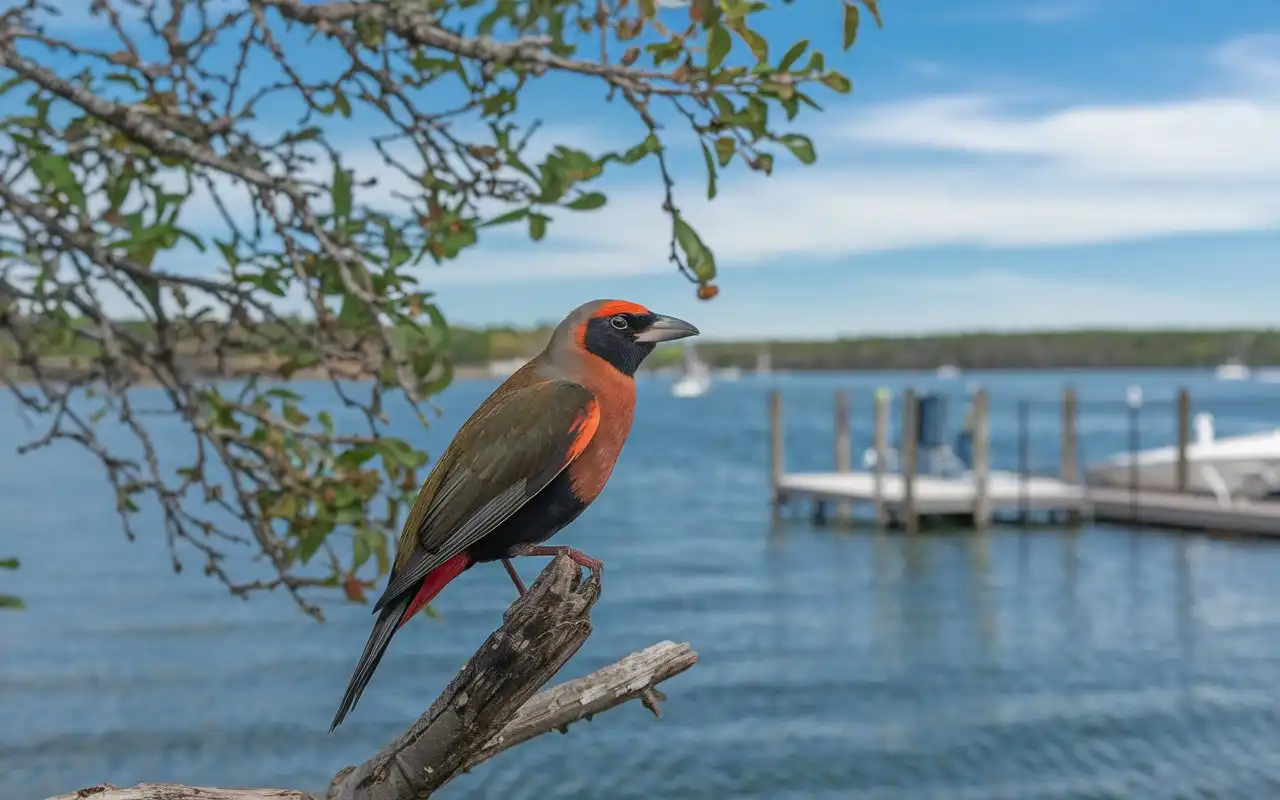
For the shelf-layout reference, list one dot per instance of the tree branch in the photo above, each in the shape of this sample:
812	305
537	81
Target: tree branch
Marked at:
419	27
489	706
581	699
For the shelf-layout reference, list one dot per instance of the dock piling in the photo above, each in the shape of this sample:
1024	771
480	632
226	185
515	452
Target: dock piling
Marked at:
981	459
1134	400
1184	437
844	450
776	455
1024	461
908	453
881	445
1069	468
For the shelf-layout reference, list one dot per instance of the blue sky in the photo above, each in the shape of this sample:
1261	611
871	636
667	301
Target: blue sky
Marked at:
999	164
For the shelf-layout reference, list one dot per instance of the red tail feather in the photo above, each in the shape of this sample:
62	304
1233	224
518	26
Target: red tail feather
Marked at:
434	583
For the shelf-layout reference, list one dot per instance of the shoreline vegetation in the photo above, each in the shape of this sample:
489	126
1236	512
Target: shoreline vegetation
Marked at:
475	353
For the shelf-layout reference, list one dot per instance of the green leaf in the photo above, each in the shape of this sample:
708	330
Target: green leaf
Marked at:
228	251
341	103
54	170
285	507
455	243
701	260
401	453
588	201
353	457
9	601
874	7
759	47
9	563
793	55
837	82
362	546
9	84
650	145
311	541
718	45
341	192
725	148
510	216
711	171
355	315
851	19
801	147
538	226
304	135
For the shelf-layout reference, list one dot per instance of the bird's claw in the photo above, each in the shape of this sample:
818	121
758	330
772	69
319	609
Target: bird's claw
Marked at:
576	556
649	699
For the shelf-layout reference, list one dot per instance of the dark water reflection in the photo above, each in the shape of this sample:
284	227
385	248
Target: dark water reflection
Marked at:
1017	664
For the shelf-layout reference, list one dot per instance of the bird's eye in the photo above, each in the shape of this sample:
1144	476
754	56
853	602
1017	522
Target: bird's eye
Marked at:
619	322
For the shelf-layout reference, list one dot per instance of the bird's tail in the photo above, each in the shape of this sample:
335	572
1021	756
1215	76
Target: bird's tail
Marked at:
393	615
388	623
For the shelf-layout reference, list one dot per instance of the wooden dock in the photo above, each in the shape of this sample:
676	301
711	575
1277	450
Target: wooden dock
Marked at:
1011	496
1186	511
934	496
902	498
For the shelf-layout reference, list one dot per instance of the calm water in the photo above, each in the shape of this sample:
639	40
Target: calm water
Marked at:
1040	664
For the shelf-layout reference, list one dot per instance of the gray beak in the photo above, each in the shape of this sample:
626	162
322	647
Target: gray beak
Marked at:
666	329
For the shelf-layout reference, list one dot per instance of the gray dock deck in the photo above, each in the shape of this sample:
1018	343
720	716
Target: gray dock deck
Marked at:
937	496
1186	511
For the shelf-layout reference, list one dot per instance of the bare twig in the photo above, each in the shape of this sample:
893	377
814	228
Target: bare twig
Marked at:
582	698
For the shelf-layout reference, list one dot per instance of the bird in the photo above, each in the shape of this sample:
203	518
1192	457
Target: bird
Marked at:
530	459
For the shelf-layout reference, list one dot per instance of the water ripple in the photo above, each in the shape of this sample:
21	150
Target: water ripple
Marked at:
1101	663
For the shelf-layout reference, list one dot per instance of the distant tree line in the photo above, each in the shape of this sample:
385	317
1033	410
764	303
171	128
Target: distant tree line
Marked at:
1014	350
1021	350
1099	349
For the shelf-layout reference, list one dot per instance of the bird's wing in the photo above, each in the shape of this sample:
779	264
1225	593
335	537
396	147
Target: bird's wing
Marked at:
504	455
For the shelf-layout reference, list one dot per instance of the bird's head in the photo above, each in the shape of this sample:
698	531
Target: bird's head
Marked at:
620	333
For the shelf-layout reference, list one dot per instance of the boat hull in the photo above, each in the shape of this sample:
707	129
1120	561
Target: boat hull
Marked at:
690	386
1234	474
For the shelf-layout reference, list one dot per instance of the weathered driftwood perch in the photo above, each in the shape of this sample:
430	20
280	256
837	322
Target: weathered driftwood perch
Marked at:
489	706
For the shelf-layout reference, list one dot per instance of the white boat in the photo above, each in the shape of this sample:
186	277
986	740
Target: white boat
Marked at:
729	373
695	380
1229	468
1232	370
948	372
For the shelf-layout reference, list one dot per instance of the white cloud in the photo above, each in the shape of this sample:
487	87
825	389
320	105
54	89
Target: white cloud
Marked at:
998	299
1217	138
937	171
962	170
1254	61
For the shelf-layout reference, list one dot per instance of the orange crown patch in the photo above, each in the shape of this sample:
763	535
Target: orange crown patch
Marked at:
611	307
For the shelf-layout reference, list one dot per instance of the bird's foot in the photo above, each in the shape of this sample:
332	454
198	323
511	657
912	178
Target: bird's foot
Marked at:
515	576
576	556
